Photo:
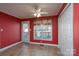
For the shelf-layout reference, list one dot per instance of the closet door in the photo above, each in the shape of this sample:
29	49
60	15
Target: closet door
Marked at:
65	29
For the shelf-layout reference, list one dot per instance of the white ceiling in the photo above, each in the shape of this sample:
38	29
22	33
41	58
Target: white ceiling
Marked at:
24	10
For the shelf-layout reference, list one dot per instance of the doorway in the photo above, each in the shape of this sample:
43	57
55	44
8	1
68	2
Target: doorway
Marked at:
25	32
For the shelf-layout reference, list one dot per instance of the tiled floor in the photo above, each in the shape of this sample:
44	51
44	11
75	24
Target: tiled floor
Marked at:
24	49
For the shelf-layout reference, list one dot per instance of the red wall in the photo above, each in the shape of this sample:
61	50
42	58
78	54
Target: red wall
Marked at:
54	30
76	28
11	33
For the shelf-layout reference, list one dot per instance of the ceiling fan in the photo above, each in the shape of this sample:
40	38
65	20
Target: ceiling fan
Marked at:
38	12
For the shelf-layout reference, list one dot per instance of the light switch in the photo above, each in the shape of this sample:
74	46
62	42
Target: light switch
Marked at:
1	30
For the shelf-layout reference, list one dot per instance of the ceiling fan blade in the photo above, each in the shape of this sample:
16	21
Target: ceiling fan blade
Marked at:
39	10
33	11
43	12
36	11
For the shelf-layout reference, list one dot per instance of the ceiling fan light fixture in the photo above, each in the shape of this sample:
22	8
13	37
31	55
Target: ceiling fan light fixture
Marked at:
35	14
38	15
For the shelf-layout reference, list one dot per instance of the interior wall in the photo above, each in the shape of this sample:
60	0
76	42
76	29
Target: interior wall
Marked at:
65	30
0	38
54	30
76	28
9	30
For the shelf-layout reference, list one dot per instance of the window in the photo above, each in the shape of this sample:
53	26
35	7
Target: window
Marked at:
43	30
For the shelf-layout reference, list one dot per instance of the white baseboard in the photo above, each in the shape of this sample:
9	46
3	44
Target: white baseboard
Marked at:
5	48
44	44
2	49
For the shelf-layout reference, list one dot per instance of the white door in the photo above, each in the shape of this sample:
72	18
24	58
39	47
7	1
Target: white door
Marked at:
25	31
